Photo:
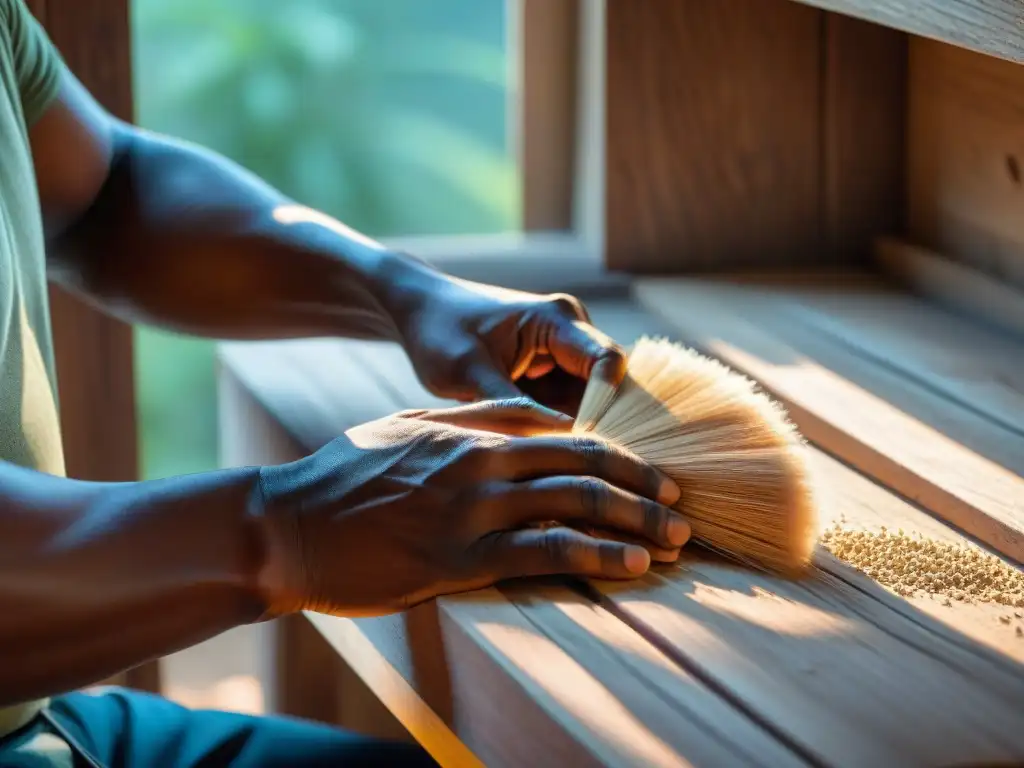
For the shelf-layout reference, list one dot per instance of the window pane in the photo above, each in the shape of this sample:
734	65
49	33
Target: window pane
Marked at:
389	114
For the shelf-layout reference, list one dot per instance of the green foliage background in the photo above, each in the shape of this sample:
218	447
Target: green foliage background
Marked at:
389	114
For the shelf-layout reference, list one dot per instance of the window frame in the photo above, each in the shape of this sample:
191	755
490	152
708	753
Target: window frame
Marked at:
557	111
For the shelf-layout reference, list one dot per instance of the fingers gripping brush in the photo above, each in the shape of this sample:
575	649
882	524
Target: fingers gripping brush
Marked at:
737	459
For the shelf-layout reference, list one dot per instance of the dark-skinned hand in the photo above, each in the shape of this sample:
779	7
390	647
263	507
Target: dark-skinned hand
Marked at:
470	341
425	503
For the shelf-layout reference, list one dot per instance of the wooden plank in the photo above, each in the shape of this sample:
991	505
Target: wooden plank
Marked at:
992	27
966	157
618	699
392	688
546	661
979	369
855	675
955	285
857	503
712	134
864	115
956	464
315	388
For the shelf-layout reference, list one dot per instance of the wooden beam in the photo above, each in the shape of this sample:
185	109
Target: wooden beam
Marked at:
991	27
953	283
965	177
864	107
713	134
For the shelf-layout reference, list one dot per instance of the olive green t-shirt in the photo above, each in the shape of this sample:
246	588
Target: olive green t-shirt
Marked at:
29	426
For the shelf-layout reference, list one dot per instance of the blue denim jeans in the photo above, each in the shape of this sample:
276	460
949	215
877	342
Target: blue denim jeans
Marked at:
119	728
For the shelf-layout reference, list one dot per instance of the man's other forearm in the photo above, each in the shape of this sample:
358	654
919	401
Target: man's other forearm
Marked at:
96	578
182	238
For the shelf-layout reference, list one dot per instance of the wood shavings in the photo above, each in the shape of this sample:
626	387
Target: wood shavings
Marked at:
908	565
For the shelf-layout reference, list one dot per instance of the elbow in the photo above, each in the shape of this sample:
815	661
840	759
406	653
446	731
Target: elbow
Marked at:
81	225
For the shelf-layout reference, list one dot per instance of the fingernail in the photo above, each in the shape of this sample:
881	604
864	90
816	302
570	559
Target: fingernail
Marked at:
668	493
678	530
637	560
664	555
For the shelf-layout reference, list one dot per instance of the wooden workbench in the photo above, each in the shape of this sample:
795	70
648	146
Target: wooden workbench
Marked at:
701	663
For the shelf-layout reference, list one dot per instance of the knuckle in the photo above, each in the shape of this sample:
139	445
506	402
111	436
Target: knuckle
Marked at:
655	521
559	549
485	456
476	503
651	478
594	452
522	403
594	496
411	413
568	304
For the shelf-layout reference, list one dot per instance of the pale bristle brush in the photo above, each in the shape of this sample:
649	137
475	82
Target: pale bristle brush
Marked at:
740	463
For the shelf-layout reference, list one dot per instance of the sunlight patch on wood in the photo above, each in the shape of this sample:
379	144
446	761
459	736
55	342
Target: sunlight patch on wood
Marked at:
575	689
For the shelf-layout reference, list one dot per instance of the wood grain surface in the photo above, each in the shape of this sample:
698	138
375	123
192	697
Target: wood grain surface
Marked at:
956	463
965	150
864	117
712	133
992	27
953	284
854	675
543	676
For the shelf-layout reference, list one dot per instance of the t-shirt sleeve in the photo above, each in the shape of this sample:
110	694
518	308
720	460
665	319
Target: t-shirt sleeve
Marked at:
37	64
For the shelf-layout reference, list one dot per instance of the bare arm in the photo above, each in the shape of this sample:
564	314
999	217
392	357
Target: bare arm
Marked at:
163	232
166	233
99	577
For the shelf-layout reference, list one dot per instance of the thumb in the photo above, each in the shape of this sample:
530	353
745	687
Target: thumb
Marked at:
517	416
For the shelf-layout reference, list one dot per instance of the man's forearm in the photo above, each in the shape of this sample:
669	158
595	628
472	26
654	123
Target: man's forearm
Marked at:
182	238
97	577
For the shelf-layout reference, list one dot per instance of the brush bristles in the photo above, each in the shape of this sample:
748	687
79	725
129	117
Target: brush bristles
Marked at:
731	449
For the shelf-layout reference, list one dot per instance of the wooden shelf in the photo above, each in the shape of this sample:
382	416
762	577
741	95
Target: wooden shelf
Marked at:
993	27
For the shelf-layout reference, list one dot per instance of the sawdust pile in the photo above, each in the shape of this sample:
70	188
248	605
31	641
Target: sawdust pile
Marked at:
907	565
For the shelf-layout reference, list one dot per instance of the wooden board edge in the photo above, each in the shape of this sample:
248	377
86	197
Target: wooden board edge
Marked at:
952	283
391	687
